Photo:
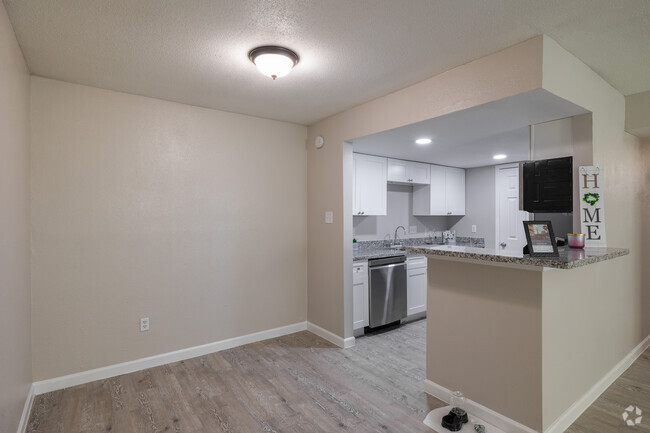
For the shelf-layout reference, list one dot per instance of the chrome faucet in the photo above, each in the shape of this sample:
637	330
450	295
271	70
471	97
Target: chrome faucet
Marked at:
398	227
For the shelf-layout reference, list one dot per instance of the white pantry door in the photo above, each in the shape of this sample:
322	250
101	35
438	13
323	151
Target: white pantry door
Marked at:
510	234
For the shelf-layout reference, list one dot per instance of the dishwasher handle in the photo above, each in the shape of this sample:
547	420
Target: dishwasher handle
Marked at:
387	266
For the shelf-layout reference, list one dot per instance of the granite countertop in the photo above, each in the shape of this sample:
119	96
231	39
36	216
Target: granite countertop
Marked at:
568	259
379	249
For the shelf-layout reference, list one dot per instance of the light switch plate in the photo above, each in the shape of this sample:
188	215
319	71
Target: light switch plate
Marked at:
329	217
473	228
413	229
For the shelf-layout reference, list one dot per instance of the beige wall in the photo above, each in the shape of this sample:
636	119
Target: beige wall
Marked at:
637	114
620	156
15	344
552	139
645	236
506	73
192	217
583	312
583	154
484	336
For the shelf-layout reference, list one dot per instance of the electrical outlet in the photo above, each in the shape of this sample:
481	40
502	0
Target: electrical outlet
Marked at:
144	324
473	228
329	217
413	229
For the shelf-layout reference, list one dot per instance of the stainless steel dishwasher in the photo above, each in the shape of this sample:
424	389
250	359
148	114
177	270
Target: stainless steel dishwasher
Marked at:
387	290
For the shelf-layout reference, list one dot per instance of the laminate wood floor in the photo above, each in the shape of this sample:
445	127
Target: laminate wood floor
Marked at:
297	383
632	388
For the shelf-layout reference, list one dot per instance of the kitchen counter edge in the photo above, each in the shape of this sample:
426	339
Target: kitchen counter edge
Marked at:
569	259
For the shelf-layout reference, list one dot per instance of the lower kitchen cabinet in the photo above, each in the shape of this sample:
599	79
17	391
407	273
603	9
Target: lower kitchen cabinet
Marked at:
361	312
416	285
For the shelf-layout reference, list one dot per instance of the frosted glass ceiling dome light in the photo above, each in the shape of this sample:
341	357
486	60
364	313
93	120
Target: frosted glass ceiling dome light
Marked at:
423	141
273	61
500	156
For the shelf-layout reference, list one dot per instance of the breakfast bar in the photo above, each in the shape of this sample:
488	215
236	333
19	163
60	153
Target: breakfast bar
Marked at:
568	258
515	334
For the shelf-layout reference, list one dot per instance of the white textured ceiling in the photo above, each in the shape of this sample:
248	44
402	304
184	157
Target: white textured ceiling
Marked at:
195	51
470	138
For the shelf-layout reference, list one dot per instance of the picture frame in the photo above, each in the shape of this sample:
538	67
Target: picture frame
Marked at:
541	239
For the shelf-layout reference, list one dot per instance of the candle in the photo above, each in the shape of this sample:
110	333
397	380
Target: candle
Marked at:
576	240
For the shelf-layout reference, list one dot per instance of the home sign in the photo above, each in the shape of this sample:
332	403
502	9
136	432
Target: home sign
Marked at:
592	205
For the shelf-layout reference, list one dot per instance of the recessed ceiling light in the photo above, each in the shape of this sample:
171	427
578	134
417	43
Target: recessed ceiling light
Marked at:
423	141
500	156
273	61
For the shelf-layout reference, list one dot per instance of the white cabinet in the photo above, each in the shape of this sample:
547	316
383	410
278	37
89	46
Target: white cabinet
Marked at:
416	285
455	189
397	170
370	180
445	195
432	201
400	171
419	173
360	311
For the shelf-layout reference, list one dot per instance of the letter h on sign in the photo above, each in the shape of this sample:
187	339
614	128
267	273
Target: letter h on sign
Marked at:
590	178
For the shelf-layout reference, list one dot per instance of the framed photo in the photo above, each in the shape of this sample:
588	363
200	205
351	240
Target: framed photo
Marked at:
541	240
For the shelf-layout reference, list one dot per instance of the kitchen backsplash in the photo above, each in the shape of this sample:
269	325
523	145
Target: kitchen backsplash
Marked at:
470	241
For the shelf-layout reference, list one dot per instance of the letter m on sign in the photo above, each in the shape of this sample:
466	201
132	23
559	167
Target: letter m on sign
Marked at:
589	217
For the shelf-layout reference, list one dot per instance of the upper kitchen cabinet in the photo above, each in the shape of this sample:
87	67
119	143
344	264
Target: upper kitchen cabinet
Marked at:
400	171
370	185
455	190
445	195
548	185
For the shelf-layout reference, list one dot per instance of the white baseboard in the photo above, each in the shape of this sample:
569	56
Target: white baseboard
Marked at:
344	343
27	409
57	383
567	418
499	421
579	406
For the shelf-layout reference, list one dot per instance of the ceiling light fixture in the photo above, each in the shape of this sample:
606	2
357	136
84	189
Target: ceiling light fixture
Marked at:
273	61
423	141
500	156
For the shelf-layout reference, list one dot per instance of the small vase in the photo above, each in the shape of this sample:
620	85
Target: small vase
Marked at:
576	240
